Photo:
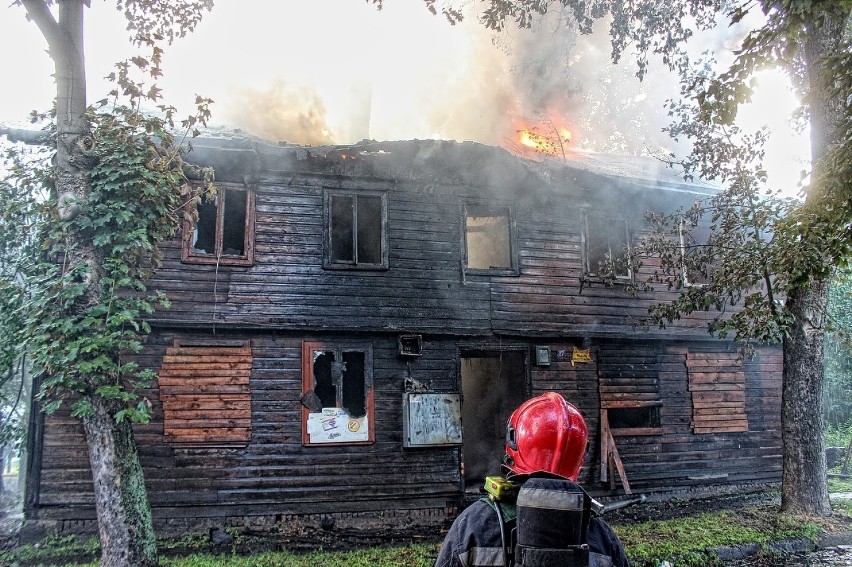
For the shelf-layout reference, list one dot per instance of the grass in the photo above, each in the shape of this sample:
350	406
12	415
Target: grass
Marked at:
684	542
55	553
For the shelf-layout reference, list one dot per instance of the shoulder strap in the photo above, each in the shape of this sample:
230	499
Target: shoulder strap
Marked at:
509	510
507	513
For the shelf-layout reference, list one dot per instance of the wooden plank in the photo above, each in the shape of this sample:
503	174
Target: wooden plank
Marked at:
220	406
635	431
737	396
214	433
209	424
631	403
199	363
715	429
206	370
203	382
716	377
717	387
228	346
219	414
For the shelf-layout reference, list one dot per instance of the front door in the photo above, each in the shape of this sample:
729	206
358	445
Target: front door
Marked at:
493	385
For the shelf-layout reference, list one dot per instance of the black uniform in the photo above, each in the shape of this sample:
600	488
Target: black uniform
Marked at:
474	541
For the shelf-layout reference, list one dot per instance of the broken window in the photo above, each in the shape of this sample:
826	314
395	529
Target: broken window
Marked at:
696	261
488	239
224	231
639	417
606	242
356	233
337	393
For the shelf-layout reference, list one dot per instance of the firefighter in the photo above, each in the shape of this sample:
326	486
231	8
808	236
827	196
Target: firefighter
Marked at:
546	442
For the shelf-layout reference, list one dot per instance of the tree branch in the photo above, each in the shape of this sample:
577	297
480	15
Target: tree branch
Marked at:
38	11
31	137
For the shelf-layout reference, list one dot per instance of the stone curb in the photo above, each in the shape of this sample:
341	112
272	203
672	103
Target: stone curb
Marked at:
827	540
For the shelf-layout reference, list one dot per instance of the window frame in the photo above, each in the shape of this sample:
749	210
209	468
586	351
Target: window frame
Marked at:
684	272
189	254
586	237
328	262
309	383
488	209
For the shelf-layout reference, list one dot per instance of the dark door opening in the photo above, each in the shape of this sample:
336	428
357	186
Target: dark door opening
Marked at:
493	384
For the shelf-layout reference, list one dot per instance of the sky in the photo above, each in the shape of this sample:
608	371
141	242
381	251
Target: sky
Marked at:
337	71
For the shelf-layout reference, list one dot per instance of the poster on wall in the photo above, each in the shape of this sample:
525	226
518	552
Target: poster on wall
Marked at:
334	425
431	420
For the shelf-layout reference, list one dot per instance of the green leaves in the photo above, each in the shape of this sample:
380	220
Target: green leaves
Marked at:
76	288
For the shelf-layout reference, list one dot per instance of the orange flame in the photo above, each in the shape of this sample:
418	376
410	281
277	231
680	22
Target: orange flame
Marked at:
546	138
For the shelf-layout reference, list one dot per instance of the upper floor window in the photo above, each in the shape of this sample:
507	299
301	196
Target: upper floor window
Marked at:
224	231
606	247
488	240
355	230
695	257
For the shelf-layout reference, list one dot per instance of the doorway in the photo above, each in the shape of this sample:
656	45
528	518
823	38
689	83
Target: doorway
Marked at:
493	384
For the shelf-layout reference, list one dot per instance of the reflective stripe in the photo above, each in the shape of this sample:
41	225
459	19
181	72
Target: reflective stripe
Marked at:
482	557
549	499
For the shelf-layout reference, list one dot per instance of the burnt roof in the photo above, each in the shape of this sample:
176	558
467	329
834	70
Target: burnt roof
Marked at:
239	157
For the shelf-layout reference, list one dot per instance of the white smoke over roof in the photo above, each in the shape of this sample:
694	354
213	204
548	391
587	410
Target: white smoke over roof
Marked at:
337	71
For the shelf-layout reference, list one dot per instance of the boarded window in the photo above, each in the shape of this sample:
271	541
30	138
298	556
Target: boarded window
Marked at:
337	393
224	231
695	257
629	391
717	384
355	231
205	393
488	238
606	243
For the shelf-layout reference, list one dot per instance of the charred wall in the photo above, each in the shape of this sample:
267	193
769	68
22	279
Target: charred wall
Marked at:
288	296
274	476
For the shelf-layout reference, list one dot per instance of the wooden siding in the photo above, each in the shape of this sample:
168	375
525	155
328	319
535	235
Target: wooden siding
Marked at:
424	288
286	298
275	474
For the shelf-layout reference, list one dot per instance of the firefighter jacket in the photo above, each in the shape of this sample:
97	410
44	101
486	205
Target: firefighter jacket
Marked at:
474	541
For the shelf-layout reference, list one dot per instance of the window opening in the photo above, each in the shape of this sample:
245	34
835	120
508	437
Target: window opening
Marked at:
695	266
634	417
607	243
356	231
337	394
205	228
233	223
488	238
224	231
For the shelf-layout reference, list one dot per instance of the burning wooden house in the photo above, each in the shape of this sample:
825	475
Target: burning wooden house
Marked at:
351	327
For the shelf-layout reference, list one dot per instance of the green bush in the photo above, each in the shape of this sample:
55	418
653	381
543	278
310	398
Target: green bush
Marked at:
838	435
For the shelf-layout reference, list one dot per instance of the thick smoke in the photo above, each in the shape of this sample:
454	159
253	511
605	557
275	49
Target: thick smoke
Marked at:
415	76
288	113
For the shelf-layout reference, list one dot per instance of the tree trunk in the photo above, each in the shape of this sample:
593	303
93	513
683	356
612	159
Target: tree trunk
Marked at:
124	515
804	489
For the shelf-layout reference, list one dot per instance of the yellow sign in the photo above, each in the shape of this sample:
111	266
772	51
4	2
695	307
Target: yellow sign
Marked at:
581	355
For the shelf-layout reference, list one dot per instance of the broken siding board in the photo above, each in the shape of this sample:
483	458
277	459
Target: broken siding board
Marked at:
205	395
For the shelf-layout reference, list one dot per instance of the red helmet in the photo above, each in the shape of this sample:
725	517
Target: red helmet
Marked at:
546	434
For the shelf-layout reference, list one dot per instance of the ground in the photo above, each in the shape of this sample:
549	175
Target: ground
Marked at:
761	506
